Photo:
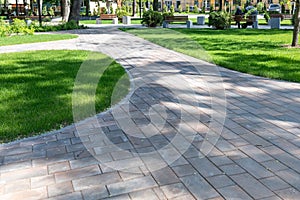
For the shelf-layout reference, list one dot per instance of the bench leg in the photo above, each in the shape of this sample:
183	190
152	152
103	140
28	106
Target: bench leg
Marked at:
98	21
165	24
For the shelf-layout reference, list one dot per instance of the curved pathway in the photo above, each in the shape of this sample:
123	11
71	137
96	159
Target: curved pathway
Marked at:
153	144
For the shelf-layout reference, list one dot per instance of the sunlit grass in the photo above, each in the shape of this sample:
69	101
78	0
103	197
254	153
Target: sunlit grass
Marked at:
23	39
258	52
37	86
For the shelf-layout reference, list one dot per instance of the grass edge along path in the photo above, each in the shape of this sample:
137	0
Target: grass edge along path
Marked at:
37	86
25	39
252	51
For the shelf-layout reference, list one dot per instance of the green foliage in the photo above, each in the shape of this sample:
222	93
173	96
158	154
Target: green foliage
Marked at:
196	9
17	27
165	9
187	8
104	10
179	9
211	9
112	11
260	7
172	9
203	9
266	16
5	29
219	20
152	18
144	7
51	12
44	11
64	26
121	12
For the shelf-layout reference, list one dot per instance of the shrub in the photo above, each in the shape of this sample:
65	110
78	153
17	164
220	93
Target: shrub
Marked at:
187	8
179	9
152	18
5	29
203	9
165	9
219	20
196	10
211	9
20	27
172	9
120	13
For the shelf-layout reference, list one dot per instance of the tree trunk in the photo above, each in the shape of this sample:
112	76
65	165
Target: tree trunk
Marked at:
296	25
87	7
75	11
65	10
133	7
155	5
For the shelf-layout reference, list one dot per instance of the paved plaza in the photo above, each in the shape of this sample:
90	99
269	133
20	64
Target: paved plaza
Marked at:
187	130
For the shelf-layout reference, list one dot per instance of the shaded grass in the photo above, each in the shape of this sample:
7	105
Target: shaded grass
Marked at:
36	90
258	52
23	39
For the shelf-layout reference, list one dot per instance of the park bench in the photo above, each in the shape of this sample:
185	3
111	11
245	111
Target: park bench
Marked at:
250	20
107	17
171	19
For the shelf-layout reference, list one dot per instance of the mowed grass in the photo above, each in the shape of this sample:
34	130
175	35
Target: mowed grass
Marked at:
23	39
257	52
108	21
37	86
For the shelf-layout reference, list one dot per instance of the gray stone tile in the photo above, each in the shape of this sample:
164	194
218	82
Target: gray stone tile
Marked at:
41	181
58	167
77	173
205	167
131	185
255	153
232	169
148	194
165	176
274	183
34	194
220	181
184	170
254	168
289	193
70	196
92	193
199	187
60	189
252	186
174	190
274	165
98	180
234	192
291	177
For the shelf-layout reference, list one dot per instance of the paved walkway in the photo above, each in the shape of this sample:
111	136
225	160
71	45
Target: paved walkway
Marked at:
159	142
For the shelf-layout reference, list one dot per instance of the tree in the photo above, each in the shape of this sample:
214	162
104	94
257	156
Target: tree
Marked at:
155	5
75	10
65	10
133	7
296	24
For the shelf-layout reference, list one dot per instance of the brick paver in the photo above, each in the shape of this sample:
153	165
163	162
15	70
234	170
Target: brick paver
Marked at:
256	157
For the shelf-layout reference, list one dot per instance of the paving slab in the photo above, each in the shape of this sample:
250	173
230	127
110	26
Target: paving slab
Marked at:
152	145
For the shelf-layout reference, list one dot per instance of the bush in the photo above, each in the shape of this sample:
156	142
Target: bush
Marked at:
172	9
64	26
179	9
120	13
187	8
196	10
219	20
152	18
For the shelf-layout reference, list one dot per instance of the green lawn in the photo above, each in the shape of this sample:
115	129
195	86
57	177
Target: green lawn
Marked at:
258	52
22	39
133	21
37	86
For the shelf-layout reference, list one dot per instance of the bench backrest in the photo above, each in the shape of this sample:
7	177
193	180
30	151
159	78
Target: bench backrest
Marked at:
108	16
176	18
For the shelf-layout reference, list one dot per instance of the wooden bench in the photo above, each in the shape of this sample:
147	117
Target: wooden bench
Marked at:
107	17
250	20
171	19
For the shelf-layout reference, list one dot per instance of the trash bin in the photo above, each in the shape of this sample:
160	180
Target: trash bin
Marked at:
275	23
126	20
201	20
189	23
